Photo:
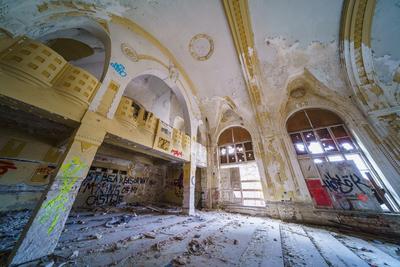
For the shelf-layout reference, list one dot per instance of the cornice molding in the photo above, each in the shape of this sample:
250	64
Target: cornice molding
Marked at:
237	13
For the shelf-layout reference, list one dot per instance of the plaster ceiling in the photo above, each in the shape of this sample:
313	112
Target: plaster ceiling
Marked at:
289	36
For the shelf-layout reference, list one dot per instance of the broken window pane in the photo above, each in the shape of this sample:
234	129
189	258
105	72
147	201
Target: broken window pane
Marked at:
248	146
346	144
231	158
339	131
240	157
298	144
252	194
250	155
335	158
309	136
323	134
329	145
251	185
319	160
356	158
315	147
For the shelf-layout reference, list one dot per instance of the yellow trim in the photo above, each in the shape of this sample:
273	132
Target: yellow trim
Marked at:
139	30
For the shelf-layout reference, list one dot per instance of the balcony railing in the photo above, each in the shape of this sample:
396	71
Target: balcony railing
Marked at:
37	64
166	138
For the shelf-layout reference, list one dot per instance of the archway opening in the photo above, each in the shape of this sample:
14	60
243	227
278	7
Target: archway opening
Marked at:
240	178
81	48
157	97
337	173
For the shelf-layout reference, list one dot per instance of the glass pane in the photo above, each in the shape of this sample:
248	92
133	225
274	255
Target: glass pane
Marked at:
309	136
250	202
329	145
240	157
231	158
251	185
222	151
319	160
250	155
248	146
239	148
298	144
315	147
223	159
231	150
339	131
356	158
252	194
335	158
323	134
237	194
346	144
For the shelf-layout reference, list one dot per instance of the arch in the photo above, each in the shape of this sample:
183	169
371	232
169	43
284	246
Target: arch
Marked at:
177	90
61	26
320	135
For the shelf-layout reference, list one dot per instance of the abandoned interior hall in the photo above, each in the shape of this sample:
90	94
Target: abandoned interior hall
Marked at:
200	133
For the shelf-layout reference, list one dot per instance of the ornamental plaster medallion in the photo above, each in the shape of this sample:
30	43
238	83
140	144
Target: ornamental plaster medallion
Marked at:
129	52
201	47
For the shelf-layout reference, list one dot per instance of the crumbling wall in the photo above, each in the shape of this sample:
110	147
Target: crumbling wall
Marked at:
26	164
112	181
173	189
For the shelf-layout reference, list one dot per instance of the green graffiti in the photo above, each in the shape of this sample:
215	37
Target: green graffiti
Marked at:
54	207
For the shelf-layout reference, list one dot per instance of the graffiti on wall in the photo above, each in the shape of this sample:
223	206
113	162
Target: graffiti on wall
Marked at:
56	206
119	68
104	186
30	172
176	153
176	184
347	187
5	166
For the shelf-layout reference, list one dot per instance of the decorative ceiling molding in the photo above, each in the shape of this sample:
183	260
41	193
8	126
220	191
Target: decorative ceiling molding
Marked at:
356	54
237	13
201	47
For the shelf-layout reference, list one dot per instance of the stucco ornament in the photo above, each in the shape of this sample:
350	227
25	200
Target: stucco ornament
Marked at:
129	52
298	92
201	47
173	72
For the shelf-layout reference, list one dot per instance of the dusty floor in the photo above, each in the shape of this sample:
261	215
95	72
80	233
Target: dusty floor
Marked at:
141	238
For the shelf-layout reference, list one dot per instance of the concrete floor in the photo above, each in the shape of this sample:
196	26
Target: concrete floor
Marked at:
119	237
140	238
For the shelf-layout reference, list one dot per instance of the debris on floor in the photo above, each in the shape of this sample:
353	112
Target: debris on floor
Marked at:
152	238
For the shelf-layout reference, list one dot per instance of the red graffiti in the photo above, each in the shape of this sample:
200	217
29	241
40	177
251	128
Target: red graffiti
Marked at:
176	153
5	166
362	197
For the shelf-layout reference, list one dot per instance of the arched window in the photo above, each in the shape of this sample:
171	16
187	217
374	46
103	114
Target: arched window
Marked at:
319	136
235	146
240	177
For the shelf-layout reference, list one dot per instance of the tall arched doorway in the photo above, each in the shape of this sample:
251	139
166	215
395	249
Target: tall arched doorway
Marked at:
320	136
240	178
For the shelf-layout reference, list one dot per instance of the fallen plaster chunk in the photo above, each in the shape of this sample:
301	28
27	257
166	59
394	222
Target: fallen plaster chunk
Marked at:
74	254
149	235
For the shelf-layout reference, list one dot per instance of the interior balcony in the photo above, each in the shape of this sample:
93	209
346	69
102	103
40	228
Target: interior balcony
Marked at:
146	133
34	74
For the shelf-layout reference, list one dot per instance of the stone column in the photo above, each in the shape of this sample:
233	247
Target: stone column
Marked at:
189	181
41	234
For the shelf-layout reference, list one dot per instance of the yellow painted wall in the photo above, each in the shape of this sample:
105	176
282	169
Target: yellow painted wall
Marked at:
26	164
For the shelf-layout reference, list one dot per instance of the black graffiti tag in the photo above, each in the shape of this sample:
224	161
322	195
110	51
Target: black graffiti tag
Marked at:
344	184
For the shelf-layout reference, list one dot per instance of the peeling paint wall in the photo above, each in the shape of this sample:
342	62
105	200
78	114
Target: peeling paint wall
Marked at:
26	165
385	43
